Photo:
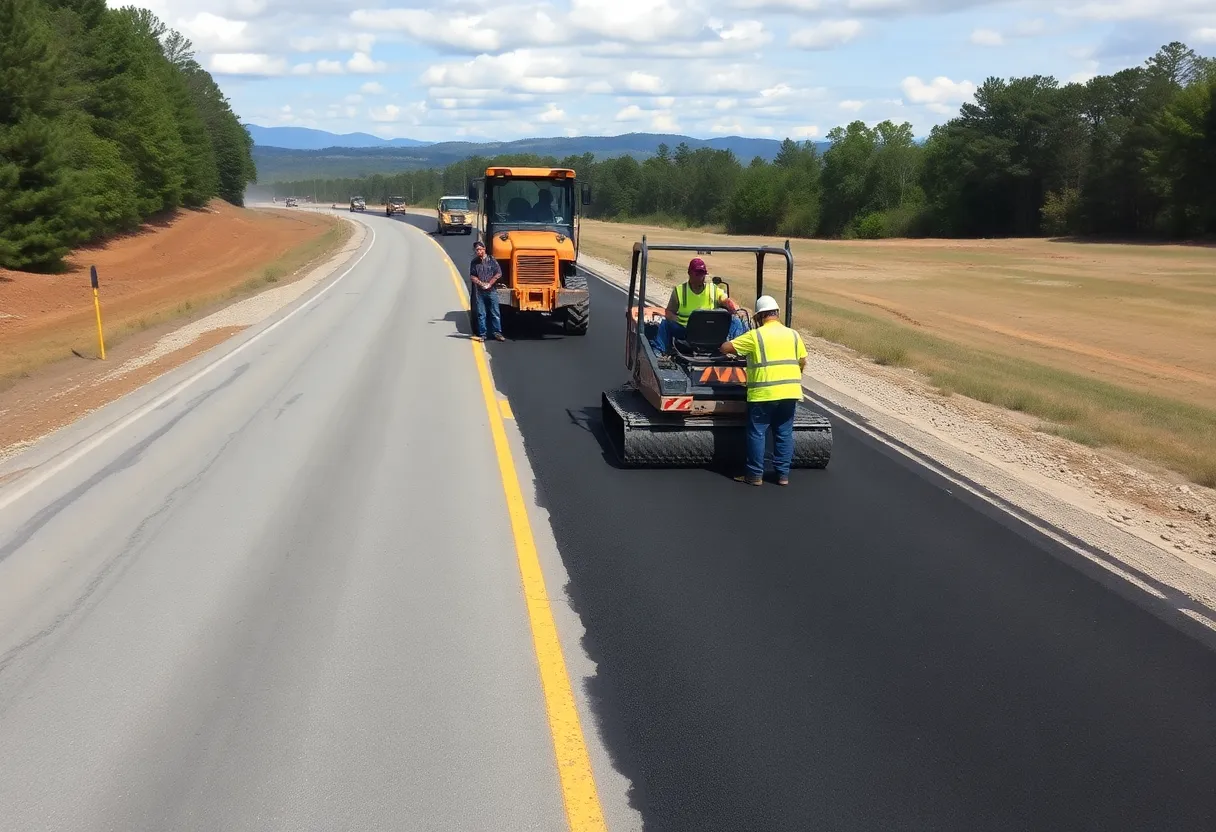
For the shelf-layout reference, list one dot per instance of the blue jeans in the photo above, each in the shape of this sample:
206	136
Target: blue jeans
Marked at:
669	331
484	302
777	416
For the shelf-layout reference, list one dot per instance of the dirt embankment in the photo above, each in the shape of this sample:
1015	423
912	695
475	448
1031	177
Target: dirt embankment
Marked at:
193	269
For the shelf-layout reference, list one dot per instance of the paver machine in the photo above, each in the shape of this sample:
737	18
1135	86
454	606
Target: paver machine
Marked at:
689	408
528	219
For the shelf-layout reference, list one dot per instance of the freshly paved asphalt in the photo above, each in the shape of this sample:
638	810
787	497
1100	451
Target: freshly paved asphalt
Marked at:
285	599
862	650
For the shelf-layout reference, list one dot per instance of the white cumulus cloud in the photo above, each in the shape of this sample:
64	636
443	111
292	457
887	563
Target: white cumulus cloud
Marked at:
644	82
637	21
941	90
355	42
553	114
247	63
987	37
826	35
523	71
362	63
778	5
665	122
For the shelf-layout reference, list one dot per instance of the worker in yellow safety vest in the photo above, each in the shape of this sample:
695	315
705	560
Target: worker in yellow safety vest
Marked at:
695	293
776	358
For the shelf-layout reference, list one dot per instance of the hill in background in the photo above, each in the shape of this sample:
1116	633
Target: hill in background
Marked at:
306	138
358	154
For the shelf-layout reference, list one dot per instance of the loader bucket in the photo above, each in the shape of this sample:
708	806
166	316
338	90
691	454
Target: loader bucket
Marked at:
642	437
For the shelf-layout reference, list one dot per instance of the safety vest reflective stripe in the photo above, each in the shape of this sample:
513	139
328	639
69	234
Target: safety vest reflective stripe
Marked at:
690	301
777	374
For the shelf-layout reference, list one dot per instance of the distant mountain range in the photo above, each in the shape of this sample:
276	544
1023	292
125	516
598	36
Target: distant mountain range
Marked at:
306	138
300	153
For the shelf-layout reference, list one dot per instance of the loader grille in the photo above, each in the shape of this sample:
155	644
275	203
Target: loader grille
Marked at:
535	269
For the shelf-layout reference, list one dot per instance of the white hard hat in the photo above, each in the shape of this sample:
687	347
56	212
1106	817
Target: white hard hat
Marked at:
765	303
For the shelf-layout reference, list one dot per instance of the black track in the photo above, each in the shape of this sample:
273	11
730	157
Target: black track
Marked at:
861	650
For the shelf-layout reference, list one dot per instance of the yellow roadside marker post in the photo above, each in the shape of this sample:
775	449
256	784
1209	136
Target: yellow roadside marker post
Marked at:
101	340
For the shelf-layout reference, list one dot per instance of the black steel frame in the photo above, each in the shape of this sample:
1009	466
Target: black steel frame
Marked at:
641	256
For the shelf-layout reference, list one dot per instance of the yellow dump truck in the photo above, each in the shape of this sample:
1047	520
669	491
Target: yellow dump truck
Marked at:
528	219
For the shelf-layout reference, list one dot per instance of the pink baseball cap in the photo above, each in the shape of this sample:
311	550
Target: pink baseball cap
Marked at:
696	264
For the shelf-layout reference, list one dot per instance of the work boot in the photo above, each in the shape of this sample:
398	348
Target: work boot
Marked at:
744	478
498	336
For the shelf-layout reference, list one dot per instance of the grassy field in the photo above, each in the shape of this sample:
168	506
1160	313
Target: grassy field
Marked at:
1110	345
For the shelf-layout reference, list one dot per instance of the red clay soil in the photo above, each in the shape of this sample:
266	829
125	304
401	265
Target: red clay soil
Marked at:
192	256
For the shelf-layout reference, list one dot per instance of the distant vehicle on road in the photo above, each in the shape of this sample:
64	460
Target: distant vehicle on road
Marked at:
395	205
357	204
291	202
452	214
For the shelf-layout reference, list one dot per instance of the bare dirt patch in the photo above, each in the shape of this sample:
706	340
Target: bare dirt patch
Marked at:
165	272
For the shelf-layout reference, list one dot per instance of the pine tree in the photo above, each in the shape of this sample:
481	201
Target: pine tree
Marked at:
33	193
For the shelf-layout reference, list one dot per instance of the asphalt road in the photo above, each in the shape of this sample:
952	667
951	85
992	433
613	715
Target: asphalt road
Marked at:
284	598
863	650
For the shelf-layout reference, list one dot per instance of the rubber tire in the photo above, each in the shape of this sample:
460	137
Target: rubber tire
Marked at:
578	317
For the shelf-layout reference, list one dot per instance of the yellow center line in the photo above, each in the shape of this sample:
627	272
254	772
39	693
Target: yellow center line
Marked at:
505	407
579	793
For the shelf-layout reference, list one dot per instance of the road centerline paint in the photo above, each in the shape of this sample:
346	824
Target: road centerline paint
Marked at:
579	792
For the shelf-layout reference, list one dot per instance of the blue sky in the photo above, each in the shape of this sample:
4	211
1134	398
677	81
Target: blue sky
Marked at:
474	69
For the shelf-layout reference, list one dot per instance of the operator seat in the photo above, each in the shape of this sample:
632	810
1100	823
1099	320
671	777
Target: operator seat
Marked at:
518	210
704	333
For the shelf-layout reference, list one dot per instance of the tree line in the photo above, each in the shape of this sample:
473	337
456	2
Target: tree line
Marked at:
1129	154
106	120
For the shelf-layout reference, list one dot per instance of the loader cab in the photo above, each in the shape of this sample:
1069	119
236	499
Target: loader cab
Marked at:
529	199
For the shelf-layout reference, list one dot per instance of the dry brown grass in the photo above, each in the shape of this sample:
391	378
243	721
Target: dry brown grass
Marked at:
1111	345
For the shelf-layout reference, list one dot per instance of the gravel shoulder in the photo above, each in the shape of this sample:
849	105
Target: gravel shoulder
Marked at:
1141	523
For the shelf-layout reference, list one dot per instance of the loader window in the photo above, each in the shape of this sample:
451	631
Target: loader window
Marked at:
531	203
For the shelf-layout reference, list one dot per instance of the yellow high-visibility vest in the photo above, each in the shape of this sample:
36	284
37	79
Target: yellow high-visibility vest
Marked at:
690	301
772	352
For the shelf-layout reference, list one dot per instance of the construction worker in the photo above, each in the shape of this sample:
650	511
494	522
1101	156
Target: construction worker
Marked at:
776	358
695	293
